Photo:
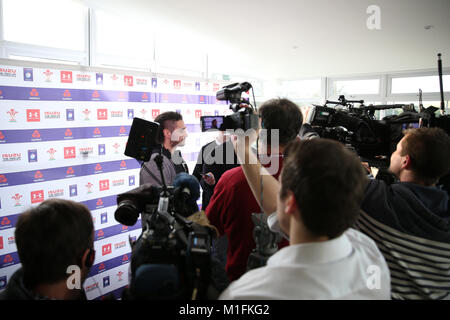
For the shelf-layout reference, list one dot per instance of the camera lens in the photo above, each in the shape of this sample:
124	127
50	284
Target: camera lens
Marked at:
126	213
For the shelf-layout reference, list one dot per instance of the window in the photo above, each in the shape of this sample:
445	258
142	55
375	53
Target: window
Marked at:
428	84
51	23
122	42
302	89
355	87
180	52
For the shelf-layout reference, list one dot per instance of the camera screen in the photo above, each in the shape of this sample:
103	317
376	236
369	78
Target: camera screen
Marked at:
409	126
198	242
211	122
321	116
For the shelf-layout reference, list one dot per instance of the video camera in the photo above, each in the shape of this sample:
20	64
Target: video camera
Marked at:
244	116
170	243
266	242
373	140
171	259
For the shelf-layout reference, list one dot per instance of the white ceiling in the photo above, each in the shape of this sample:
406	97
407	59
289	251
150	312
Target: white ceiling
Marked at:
331	36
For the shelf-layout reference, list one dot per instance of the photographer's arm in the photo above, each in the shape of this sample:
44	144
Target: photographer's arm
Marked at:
254	172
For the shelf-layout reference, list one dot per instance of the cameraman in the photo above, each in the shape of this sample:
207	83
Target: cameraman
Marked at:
50	238
232	203
172	134
322	184
408	220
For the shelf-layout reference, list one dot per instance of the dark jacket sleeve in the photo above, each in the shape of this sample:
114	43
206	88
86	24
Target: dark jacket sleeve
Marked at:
198	169
151	173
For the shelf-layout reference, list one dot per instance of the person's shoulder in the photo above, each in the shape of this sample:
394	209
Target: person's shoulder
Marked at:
251	285
375	191
234	175
209	144
364	245
374	184
358	238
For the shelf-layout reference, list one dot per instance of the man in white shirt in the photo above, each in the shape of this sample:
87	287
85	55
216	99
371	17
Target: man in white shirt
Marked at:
322	185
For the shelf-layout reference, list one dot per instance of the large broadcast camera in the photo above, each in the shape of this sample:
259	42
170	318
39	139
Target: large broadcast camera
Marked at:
373	140
244	116
171	259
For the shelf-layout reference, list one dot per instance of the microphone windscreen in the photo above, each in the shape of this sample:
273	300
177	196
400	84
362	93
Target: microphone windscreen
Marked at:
188	181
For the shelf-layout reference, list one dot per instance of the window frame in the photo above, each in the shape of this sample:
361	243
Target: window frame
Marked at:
9	48
90	58
426	96
332	80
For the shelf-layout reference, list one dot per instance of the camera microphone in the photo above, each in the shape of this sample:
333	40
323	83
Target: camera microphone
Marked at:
187	191
188	185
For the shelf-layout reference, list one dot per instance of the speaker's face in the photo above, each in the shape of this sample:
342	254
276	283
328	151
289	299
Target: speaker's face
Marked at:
179	134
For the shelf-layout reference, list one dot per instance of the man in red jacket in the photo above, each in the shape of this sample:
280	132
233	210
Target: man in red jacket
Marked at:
233	203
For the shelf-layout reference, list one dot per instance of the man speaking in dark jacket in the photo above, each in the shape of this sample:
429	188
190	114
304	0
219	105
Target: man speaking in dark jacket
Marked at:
172	134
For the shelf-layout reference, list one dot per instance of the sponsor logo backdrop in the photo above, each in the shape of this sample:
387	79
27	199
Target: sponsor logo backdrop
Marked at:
62	135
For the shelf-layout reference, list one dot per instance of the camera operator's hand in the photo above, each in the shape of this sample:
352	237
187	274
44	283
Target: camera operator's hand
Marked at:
367	167
209	178
254	172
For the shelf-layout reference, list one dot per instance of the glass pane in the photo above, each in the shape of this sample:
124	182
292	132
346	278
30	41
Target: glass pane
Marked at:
413	84
347	87
123	37
179	49
303	89
51	23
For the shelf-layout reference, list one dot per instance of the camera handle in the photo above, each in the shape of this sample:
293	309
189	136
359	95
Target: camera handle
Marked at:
266	242
163	205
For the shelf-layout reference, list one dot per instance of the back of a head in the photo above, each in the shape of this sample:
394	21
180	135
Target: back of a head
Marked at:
167	120
328	182
429	151
51	237
282	115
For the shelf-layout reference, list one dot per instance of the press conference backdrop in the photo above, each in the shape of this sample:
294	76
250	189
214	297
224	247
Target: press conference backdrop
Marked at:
63	132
